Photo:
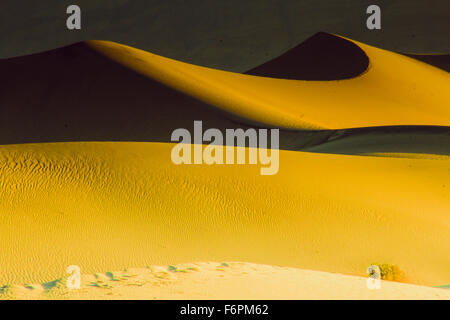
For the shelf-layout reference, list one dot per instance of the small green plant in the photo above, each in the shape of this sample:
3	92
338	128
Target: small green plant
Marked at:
5	289
99	285
111	276
52	284
172	269
175	269
95	284
224	264
29	286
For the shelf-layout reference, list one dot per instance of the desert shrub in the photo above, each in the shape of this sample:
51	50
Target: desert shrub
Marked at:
4	289
390	272
52	284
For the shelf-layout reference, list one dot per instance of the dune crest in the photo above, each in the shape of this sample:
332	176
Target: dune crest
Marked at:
132	90
321	57
395	90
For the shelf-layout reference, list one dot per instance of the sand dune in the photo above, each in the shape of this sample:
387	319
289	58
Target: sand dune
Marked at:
88	88
107	206
396	90
226	280
321	57
115	204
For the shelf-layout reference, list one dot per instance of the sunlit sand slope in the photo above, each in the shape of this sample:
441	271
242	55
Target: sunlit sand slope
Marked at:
96	90
226	280
107	206
395	90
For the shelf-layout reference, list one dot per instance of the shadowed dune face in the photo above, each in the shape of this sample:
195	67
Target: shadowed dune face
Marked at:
405	141
76	94
321	57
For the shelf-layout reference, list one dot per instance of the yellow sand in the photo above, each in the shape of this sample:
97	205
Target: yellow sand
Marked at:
110	205
107	206
231	280
395	90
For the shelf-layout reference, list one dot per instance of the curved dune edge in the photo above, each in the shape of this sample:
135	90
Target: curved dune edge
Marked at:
226	280
402	142
395	90
106	206
408	155
321	57
75	93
